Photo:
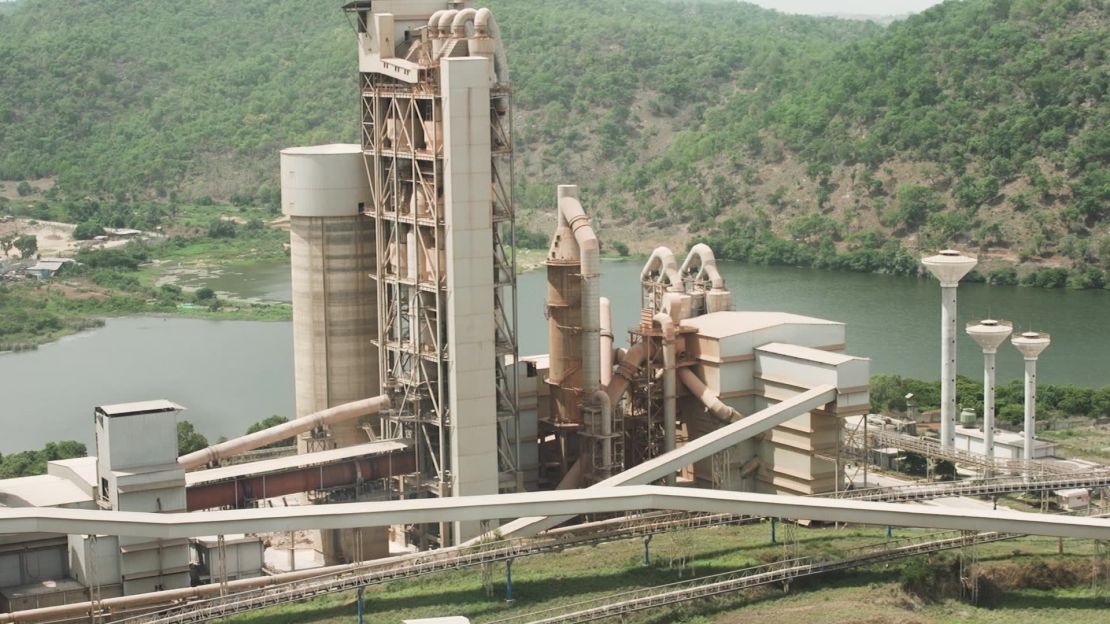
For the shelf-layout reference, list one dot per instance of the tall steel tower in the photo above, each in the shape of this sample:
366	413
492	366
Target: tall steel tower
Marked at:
436	134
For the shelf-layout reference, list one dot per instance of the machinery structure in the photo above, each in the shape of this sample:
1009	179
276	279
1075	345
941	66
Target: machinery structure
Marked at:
417	413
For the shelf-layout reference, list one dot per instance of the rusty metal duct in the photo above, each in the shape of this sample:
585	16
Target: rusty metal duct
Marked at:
564	320
237	446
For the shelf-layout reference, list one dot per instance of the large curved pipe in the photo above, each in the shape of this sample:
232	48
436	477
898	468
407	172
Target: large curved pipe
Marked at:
458	24
445	20
602	399
663	262
713	403
702	260
339	413
433	22
666	325
589	250
486	26
626	369
606	342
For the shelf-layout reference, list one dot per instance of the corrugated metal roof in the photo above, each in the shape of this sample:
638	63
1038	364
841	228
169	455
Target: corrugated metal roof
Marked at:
731	323
139	407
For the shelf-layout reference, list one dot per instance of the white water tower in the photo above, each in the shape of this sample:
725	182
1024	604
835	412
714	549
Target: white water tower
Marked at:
949	267
989	334
1031	344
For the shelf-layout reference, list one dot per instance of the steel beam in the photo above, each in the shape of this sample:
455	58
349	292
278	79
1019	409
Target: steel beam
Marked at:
591	500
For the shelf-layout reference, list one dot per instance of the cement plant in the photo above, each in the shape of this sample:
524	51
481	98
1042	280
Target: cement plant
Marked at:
426	441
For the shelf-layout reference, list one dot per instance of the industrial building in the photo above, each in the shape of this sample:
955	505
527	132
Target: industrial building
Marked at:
415	406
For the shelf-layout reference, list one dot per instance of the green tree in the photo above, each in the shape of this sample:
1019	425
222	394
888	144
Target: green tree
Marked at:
205	294
8	241
272	421
87	231
915	203
188	438
27	245
24	189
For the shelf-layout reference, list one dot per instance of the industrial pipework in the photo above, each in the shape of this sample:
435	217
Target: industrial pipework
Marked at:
660	273
700	269
240	445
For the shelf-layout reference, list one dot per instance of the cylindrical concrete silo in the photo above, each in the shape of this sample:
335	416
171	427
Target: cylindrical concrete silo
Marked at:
324	190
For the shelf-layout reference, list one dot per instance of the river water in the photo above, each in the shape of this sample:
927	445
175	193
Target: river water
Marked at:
230	374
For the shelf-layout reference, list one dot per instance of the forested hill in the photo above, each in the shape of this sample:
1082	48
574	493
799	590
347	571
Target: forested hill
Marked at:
981	123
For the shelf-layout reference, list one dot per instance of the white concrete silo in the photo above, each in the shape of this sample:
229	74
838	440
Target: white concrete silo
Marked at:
949	266
1031	344
989	334
324	190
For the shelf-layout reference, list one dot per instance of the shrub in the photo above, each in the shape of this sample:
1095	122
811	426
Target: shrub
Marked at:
87	231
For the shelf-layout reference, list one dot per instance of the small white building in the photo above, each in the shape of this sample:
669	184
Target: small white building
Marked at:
1007	444
1073	499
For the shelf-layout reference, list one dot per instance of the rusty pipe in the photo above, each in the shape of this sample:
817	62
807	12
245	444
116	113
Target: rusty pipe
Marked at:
589	250
242	444
666	326
626	368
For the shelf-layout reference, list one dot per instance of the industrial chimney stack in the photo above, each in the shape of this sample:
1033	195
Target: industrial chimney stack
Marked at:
949	266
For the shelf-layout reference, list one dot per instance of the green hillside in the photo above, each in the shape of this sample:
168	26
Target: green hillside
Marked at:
785	139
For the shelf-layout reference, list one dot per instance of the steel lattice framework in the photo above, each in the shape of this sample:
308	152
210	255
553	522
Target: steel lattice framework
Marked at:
403	143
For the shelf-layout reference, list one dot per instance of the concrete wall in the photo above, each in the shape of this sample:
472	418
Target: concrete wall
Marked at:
470	285
94	561
157	431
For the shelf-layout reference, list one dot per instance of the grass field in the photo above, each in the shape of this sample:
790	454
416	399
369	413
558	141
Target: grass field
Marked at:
867	595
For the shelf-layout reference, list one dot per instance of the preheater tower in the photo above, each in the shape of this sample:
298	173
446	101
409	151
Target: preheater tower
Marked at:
436	137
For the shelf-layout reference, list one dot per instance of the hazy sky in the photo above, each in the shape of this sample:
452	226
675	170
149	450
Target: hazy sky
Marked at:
864	7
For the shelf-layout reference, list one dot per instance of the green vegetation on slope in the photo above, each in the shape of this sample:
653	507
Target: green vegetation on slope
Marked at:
816	142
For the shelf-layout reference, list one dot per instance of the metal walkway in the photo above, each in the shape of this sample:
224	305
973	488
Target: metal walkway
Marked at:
932	450
454	558
979	487
746	578
780	571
